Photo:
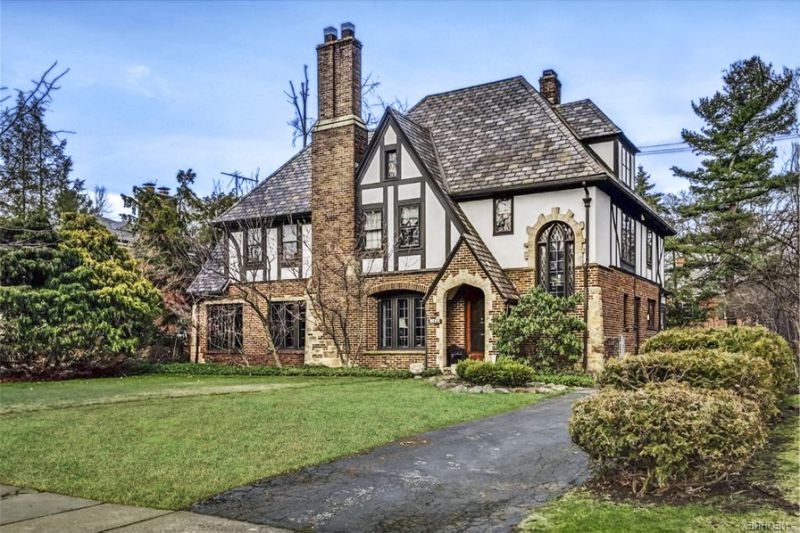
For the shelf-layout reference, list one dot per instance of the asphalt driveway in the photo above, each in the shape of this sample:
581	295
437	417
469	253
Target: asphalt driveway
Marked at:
479	476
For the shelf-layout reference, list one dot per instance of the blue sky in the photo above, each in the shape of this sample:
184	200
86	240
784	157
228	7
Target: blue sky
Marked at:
155	86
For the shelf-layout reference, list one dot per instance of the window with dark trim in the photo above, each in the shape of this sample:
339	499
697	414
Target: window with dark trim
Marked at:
287	323
649	248
503	215
401	322
625	311
390	164
626	165
628	241
224	327
373	229
290	252
556	259
651	314
254	247
409	226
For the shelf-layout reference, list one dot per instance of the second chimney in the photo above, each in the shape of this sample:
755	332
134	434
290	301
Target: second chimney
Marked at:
550	87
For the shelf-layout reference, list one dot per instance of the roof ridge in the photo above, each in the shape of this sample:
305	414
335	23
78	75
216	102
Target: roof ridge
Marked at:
462	89
561	123
265	181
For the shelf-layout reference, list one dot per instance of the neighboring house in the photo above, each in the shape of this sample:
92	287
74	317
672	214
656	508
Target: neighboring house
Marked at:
118	229
458	206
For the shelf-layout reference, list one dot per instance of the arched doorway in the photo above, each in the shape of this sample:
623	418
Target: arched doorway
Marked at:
466	321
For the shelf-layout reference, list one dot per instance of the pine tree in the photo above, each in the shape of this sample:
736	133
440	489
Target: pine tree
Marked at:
644	188
736	178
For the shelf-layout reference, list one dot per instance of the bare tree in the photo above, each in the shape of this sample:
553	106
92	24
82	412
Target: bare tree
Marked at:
99	202
372	106
33	99
246	259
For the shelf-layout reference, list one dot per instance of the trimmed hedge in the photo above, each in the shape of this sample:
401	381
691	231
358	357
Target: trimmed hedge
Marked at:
210	369
505	372
756	341
570	380
667	435
743	374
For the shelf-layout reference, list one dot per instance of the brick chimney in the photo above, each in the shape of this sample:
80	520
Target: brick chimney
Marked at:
339	138
550	87
338	143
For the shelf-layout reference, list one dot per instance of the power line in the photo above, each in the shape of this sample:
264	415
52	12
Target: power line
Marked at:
680	146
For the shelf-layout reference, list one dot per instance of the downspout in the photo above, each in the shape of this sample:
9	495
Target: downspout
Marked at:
587	202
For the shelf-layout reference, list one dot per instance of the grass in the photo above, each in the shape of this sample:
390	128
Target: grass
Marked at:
167	441
776	471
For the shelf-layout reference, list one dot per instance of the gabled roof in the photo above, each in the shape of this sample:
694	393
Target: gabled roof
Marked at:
501	135
421	143
587	120
211	279
286	191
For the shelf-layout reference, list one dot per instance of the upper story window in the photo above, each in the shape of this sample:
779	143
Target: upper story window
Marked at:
503	215
287	324
628	241
625	165
224	327
401	322
391	164
409	226
556	256
373	229
649	249
290	252
254	247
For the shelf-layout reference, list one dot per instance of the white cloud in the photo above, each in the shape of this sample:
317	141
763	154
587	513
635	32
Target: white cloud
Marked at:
141	80
116	206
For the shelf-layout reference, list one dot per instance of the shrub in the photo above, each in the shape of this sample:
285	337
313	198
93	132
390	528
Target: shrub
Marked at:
208	369
756	341
541	330
667	435
743	374
505	372
570	380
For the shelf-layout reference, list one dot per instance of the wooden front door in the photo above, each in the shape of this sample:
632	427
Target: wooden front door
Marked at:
475	323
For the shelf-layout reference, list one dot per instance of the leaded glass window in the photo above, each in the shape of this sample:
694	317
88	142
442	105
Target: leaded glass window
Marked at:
556	259
287	324
503	216
401	322
224	327
628	241
409	226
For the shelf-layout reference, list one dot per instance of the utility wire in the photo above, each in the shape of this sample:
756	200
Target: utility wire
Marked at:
675	147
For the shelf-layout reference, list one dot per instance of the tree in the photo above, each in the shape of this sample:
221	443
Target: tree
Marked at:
70	297
372	106
644	188
737	188
541	329
173	236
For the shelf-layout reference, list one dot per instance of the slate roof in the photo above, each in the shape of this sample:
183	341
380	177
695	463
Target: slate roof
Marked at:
587	120
422	143
211	280
286	191
501	135
117	228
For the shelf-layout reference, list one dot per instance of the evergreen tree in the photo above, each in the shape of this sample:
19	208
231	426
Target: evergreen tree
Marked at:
174	235
736	178
644	188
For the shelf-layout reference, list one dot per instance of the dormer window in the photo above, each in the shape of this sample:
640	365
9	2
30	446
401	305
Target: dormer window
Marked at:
391	167
503	215
625	165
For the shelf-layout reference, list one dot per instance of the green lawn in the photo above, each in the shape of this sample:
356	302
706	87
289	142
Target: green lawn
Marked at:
167	441
776	470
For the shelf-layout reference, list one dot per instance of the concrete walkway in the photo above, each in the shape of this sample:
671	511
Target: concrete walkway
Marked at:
29	511
480	476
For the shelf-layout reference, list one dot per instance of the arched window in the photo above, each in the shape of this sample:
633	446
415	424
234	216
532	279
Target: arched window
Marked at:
556	255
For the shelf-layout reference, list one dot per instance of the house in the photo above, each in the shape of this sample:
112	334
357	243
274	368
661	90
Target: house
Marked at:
452	209
118	229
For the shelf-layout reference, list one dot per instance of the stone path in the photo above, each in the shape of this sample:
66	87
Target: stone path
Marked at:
29	511
480	476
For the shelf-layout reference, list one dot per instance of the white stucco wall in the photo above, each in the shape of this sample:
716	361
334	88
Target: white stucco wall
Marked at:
605	151
510	249
435	224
